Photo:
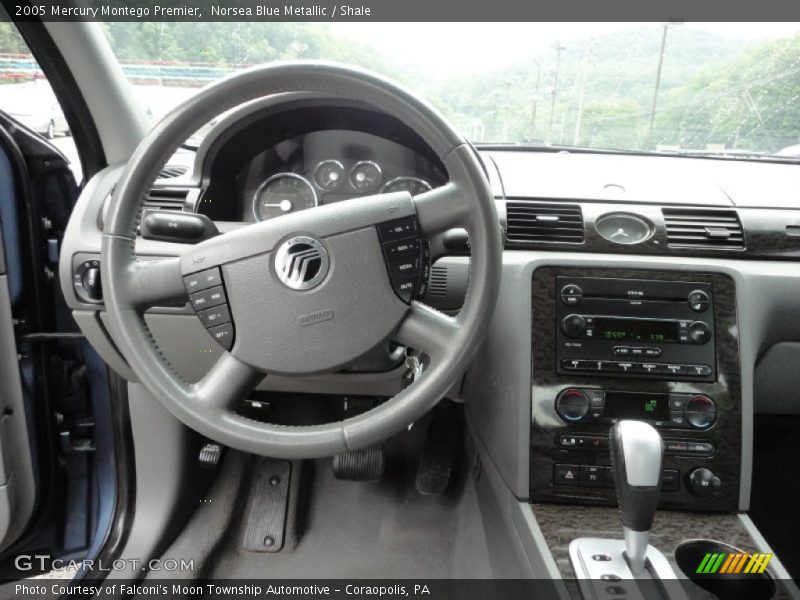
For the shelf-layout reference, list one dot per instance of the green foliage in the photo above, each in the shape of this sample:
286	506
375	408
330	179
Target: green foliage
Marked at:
714	92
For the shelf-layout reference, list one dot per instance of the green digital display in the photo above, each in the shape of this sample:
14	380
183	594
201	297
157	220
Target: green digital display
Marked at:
636	405
635	330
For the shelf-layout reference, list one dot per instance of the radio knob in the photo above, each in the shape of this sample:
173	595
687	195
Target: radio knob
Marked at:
700	412
573	326
573	405
702	482
698	300
699	332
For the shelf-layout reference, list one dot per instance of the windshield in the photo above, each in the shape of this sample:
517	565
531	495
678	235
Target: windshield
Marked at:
684	88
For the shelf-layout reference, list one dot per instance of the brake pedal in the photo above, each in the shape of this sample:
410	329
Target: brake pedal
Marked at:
439	453
367	464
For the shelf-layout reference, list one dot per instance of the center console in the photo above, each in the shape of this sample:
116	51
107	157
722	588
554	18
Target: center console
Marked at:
654	346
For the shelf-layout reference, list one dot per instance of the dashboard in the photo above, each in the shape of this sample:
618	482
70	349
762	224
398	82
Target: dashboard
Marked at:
728	228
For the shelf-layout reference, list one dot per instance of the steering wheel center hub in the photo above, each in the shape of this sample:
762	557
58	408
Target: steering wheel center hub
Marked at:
302	262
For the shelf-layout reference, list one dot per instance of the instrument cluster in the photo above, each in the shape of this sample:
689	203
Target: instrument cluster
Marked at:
330	180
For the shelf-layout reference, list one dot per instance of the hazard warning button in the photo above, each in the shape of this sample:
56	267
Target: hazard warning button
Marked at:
566	474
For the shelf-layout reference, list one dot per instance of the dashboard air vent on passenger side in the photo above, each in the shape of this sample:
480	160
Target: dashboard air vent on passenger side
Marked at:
544	222
166	199
703	228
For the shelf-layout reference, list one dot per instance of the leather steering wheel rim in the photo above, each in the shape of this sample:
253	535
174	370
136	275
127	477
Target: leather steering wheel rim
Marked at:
208	406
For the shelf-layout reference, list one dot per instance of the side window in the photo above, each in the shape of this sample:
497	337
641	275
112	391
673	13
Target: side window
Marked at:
26	95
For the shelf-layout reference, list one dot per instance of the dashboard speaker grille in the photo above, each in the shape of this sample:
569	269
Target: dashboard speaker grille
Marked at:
703	228
544	222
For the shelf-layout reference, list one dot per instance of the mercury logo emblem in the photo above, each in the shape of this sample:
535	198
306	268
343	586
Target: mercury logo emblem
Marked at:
301	263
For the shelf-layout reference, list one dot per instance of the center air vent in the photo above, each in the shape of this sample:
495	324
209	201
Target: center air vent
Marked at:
540	222
166	199
703	228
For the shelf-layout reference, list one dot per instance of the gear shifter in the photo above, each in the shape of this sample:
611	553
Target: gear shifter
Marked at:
636	456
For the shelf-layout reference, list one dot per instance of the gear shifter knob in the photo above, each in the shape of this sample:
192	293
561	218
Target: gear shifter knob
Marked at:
636	456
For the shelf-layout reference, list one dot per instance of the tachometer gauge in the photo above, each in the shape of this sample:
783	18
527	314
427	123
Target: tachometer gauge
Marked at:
282	194
329	175
366	176
412	185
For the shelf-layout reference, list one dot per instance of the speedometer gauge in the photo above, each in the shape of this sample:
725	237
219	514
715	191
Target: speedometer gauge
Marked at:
282	194
412	185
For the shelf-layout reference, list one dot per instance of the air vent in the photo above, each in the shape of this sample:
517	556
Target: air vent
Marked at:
540	222
437	285
166	199
171	171
703	228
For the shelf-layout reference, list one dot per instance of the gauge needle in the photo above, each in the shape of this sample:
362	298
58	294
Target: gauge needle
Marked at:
284	205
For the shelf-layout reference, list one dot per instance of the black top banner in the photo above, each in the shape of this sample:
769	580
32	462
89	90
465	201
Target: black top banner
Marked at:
405	10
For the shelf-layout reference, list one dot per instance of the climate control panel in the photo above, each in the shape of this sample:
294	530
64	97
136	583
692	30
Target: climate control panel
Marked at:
673	410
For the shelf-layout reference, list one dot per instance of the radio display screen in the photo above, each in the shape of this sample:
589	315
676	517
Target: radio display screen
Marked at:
636	405
635	330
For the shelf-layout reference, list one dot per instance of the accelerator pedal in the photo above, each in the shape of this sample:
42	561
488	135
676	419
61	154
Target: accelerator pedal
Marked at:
367	464
437	464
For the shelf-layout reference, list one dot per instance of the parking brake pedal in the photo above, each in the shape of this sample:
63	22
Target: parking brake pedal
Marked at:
437	463
367	464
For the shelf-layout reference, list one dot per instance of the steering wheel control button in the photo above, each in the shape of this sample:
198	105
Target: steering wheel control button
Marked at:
698	301
223	335
397	229
202	280
400	248
405	287
208	298
571	295
407	257
215	316
404	267
301	263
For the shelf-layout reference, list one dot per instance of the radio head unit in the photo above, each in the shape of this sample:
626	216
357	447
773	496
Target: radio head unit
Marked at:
635	328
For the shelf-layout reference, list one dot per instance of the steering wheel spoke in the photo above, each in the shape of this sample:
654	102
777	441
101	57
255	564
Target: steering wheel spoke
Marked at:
153	282
227	382
428	330
442	208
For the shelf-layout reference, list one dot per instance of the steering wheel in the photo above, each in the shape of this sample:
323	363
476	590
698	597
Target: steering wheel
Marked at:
310	291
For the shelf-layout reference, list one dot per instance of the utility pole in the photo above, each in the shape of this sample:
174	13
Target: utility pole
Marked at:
559	49
665	27
535	98
584	67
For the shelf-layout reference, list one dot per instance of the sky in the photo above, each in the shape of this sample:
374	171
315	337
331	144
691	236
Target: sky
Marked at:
486	45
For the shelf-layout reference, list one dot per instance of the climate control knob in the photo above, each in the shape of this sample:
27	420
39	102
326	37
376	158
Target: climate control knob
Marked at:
702	482
573	405
700	412
699	332
573	325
